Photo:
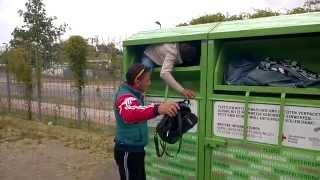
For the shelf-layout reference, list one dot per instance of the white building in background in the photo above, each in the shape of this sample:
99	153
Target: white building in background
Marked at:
56	70
100	62
63	69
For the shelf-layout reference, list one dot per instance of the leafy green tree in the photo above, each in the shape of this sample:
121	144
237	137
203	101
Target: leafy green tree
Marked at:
263	13
182	24
107	52
312	5
76	51
2	55
19	65
218	17
297	10
39	34
115	66
111	48
58	53
4	60
39	30
309	6
235	17
92	53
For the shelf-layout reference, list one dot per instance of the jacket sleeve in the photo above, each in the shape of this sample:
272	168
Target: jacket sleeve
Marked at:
165	74
131	111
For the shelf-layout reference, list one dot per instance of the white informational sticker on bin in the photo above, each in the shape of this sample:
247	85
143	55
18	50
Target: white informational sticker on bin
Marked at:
263	121
155	121
228	119
302	127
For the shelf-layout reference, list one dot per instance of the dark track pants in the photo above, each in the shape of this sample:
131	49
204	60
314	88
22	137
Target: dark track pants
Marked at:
130	164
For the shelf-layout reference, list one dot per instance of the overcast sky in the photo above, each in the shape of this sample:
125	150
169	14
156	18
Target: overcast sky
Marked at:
117	19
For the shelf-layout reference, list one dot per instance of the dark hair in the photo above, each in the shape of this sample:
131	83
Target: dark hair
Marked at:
189	53
135	71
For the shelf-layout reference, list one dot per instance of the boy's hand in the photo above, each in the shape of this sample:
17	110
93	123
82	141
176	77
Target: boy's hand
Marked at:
169	108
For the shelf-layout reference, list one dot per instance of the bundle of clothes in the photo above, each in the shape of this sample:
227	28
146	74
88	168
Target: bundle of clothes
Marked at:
269	71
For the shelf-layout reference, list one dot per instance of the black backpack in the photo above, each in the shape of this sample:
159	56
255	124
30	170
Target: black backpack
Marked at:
171	129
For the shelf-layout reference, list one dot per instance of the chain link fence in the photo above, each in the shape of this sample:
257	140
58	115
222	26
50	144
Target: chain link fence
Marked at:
59	95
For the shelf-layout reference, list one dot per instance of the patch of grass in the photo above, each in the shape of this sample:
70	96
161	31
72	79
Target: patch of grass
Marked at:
104	105
65	122
98	142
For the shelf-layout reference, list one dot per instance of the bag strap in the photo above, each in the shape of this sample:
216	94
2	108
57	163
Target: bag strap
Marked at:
178	151
163	147
156	144
163	144
180	132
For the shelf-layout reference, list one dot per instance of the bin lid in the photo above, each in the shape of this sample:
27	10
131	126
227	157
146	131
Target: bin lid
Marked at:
275	25
182	33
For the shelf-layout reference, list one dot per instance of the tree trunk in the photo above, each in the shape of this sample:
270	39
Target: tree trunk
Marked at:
79	101
29	101
38	75
8	87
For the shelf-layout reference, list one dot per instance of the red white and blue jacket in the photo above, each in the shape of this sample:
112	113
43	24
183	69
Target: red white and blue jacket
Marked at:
131	118
132	111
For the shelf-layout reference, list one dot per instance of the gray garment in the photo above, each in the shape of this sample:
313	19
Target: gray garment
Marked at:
269	78
160	53
167	56
270	72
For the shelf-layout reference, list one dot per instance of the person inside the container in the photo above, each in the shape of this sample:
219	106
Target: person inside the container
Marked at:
131	116
168	55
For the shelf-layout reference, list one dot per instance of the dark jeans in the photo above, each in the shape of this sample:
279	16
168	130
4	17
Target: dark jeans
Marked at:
130	164
147	62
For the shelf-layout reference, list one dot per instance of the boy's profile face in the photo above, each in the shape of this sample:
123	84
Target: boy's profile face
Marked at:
143	83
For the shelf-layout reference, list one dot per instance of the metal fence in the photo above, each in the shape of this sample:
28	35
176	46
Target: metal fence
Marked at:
59	96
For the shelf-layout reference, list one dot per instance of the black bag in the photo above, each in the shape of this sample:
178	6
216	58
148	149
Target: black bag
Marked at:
171	129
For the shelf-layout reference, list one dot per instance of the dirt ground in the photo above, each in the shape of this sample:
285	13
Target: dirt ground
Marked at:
33	151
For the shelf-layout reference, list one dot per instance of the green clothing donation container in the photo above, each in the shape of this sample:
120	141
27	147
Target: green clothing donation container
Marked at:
244	131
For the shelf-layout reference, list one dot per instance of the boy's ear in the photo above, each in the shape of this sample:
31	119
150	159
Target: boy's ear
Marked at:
136	81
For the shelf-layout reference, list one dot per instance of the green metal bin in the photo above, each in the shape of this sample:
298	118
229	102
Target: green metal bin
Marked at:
263	132
185	164
244	132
